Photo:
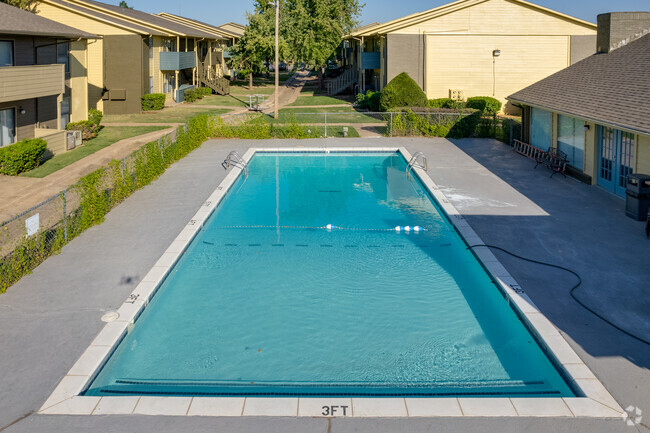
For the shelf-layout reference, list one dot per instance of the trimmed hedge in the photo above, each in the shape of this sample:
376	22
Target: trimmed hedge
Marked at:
191	95
402	91
446	103
369	100
485	104
153	101
22	156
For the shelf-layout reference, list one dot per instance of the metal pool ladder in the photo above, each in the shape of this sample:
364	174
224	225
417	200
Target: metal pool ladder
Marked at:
418	160
234	159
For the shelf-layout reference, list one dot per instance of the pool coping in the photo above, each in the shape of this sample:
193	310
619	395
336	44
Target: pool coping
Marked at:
596	401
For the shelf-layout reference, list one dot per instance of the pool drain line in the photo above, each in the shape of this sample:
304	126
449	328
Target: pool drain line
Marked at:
571	292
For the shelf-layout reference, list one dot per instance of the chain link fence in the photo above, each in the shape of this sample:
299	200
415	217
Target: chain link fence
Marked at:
435	123
30	237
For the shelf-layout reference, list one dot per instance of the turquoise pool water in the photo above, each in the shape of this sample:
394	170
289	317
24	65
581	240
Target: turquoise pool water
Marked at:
265	302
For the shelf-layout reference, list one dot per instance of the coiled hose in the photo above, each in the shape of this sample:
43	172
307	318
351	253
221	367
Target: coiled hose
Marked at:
571	292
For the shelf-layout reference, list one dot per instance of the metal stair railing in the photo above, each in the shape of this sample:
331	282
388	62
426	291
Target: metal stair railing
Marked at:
234	159
414	162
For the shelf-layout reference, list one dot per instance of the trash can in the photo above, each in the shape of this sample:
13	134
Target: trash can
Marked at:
637	194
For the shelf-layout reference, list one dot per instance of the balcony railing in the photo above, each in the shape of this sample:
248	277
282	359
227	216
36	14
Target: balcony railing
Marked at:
370	60
175	61
26	82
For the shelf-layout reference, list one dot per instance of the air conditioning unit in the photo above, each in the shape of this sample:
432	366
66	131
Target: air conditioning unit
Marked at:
73	139
456	94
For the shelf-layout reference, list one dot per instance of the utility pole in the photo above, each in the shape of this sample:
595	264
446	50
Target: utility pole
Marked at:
277	54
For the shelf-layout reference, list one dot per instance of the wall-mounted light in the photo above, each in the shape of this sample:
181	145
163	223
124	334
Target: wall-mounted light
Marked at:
496	53
587	127
21	110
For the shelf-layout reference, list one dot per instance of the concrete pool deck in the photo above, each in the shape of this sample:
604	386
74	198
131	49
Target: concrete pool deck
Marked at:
507	202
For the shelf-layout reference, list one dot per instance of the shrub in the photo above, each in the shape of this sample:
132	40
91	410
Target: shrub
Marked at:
485	104
430	122
191	95
95	116
369	100
22	156
446	103
89	128
153	101
402	91
204	91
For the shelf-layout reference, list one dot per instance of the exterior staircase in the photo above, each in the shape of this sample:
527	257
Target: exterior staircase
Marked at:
349	78
220	85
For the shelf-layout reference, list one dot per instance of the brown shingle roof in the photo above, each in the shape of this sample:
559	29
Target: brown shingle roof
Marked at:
14	21
610	88
108	18
149	19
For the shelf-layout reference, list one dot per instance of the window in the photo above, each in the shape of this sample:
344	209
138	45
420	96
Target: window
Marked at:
7	126
150	43
540	128
6	53
571	140
63	55
65	112
150	84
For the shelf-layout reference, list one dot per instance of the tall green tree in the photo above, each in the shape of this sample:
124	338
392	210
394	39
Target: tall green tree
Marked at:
257	45
124	5
28	5
314	29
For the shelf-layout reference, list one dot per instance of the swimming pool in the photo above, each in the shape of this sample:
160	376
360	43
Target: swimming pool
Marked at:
267	301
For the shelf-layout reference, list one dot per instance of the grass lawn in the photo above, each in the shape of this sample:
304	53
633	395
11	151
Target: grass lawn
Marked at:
244	90
344	114
227	101
107	136
318	100
168	115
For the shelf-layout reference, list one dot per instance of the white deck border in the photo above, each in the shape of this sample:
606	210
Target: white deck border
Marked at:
65	400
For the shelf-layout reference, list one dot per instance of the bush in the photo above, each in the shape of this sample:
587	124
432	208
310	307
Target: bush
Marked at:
95	116
485	104
369	100
153	101
204	91
22	156
430	122
446	103
89	128
191	95
402	91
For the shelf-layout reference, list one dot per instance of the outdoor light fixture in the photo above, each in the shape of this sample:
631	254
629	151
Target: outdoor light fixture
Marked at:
21	110
586	127
496	53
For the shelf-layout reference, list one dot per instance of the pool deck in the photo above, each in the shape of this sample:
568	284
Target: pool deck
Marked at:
49	318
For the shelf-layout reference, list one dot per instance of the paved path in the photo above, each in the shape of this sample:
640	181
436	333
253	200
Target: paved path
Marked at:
50	317
18	193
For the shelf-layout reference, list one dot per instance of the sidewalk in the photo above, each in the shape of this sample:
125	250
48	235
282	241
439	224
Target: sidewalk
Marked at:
18	194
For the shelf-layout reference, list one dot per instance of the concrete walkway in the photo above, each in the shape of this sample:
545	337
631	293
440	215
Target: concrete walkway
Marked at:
50	317
17	193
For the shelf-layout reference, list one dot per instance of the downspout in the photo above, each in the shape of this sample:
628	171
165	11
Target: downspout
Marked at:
178	50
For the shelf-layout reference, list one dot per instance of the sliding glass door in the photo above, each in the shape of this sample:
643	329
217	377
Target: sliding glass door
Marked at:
615	158
7	126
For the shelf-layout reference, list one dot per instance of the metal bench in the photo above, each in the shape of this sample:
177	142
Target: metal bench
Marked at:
552	158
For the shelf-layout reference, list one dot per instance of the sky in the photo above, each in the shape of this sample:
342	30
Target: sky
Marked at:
222	11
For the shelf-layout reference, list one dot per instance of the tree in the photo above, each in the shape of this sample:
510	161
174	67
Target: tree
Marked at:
257	45
28	5
314	29
124	5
